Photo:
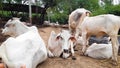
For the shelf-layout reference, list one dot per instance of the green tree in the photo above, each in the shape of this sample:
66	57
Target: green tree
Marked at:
67	6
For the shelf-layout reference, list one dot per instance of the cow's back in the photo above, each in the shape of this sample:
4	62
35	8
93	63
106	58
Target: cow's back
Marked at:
100	23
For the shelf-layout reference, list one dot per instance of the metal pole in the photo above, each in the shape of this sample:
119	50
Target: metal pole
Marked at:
30	12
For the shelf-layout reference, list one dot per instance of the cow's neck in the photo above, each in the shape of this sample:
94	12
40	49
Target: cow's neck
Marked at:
81	19
21	28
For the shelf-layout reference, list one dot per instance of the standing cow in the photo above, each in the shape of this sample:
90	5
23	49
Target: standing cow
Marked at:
100	25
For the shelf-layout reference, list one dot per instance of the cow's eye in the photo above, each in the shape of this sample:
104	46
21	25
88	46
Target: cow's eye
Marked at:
7	25
59	38
72	39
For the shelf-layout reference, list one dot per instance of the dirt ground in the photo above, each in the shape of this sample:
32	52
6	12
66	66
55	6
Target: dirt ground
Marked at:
80	62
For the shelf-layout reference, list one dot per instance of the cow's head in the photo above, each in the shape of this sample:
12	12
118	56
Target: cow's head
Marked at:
76	18
66	40
10	27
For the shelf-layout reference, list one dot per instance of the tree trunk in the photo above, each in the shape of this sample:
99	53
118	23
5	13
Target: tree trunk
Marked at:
42	17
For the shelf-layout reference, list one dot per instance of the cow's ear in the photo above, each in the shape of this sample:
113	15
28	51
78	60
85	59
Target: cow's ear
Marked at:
53	34
72	39
58	37
88	13
12	18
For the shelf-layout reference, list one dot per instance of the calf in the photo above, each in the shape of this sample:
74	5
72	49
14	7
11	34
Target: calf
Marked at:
100	25
99	51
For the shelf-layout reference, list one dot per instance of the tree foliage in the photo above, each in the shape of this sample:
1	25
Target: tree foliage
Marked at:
65	7
59	10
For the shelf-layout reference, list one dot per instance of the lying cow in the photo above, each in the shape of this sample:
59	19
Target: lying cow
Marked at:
99	51
27	49
100	25
61	43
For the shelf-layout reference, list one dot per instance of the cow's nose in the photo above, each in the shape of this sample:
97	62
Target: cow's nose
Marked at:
66	51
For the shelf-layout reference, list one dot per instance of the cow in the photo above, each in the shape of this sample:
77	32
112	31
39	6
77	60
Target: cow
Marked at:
99	51
61	44
75	19
101	25
27	49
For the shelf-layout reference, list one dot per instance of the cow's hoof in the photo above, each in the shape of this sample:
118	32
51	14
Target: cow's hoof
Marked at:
75	50
73	58
114	63
82	54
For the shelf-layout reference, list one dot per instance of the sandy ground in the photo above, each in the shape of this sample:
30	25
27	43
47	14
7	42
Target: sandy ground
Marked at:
80	62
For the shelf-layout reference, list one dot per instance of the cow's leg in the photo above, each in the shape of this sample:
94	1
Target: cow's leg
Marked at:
84	42
115	45
72	50
49	53
87	38
78	32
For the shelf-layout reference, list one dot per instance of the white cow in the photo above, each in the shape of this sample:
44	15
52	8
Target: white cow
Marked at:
76	17
61	43
99	51
99	26
14	27
27	49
